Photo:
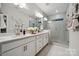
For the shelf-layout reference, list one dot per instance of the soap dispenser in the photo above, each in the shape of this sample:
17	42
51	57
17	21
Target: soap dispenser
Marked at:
24	32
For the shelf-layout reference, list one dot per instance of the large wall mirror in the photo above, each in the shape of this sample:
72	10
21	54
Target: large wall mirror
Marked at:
35	22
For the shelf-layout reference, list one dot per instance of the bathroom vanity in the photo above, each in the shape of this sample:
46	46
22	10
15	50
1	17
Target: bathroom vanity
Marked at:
23	45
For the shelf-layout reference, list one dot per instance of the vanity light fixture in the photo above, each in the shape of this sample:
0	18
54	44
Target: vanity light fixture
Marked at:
37	14
16	4
21	5
57	11
45	19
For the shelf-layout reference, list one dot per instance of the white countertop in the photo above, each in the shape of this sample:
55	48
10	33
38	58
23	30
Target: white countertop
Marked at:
17	37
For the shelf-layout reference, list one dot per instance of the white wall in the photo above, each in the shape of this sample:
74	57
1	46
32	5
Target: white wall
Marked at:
0	5
58	28
74	42
14	15
73	36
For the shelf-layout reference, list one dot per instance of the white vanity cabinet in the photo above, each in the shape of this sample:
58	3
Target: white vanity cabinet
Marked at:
13	44
24	50
27	46
24	47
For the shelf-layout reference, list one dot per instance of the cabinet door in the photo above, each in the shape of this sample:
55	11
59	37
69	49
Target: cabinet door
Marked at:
32	51
20	51
45	40
39	43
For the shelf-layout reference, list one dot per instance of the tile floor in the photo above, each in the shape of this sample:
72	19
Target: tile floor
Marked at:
54	50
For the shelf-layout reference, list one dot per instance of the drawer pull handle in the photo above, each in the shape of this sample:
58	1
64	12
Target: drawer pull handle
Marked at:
24	48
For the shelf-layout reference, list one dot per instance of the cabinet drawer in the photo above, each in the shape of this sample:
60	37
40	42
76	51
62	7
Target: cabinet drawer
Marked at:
31	39
32	49
13	44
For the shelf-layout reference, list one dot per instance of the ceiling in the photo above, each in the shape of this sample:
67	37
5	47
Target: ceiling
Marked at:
47	9
53	8
31	9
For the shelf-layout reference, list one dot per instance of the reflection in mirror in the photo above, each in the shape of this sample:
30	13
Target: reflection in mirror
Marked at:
35	22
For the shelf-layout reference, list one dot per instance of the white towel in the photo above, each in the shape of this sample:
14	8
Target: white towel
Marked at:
2	25
73	24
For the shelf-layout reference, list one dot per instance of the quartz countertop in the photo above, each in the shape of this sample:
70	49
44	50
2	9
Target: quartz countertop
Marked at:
4	39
